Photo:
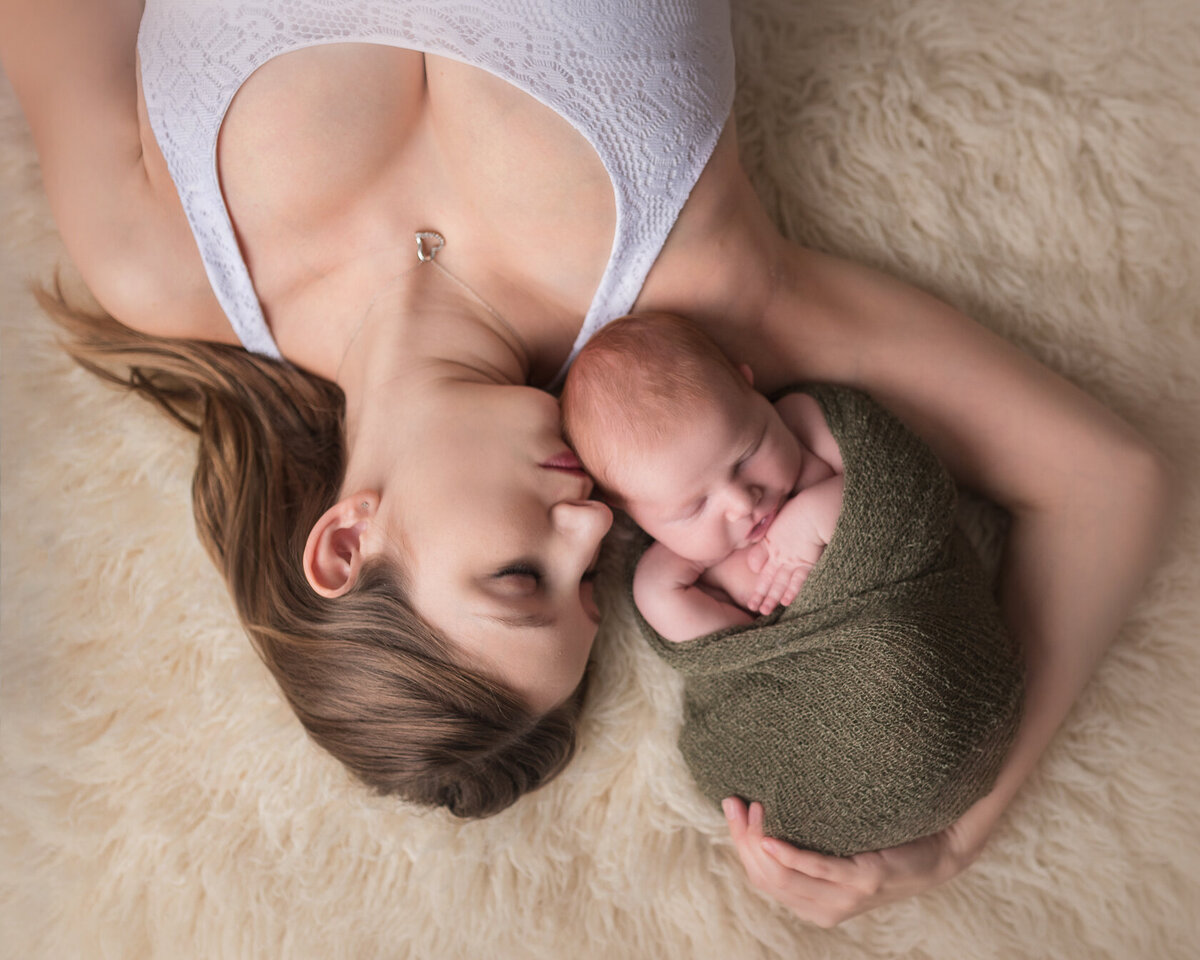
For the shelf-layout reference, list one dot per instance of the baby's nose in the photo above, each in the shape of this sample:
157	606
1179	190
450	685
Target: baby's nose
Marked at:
740	500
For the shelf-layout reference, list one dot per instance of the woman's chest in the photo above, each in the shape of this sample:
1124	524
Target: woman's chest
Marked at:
333	152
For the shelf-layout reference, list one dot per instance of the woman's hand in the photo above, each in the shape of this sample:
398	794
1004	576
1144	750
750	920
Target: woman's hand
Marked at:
827	890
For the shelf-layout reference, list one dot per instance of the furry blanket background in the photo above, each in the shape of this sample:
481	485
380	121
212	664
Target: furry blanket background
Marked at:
1037	163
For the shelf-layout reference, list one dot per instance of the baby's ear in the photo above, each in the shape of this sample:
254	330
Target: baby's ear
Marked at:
744	369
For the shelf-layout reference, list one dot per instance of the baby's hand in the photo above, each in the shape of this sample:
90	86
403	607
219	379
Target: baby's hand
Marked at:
781	574
794	543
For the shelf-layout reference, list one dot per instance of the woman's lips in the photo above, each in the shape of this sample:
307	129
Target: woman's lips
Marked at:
564	461
569	464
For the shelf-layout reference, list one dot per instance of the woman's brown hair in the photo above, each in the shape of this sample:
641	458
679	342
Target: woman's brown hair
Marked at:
371	681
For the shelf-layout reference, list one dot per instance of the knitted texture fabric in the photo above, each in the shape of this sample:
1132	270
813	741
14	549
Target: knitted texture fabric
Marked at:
880	704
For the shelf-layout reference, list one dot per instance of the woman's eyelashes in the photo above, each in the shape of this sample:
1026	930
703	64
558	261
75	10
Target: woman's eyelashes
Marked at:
524	577
530	575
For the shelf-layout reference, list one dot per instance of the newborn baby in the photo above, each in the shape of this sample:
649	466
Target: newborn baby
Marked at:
877	704
741	496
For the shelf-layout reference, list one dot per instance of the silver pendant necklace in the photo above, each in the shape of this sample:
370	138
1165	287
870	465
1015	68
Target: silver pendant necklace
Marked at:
429	244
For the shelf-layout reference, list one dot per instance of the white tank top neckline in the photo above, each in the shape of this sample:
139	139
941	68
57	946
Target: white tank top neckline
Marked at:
648	85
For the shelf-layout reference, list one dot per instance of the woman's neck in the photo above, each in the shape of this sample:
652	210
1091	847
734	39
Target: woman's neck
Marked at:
423	326
315	324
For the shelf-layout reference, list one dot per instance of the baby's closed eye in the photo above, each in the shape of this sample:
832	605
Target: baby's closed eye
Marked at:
692	511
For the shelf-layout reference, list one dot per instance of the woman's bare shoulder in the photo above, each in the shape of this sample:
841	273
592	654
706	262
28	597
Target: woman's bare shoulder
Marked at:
73	66
136	253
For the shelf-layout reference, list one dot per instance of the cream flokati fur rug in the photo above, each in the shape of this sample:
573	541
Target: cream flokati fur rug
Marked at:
1036	162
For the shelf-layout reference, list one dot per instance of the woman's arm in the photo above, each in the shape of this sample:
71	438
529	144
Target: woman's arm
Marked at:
73	66
1088	499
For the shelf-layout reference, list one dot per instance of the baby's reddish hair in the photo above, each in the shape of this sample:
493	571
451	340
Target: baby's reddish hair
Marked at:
634	382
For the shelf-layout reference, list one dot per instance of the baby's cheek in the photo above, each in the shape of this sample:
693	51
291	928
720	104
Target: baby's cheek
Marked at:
674	536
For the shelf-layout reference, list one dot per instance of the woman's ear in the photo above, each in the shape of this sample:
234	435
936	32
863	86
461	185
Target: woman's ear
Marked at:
333	555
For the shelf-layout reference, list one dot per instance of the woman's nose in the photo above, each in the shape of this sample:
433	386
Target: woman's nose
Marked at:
584	522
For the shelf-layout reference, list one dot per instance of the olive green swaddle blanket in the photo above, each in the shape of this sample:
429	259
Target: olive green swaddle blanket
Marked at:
880	704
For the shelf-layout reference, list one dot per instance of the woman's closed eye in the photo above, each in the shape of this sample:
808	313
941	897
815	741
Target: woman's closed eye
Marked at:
520	578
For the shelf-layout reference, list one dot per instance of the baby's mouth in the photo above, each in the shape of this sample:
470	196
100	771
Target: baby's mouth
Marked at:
759	530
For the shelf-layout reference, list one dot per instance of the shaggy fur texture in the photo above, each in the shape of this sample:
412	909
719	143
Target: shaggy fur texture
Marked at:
1037	163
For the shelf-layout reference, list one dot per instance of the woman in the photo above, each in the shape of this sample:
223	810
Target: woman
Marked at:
457	521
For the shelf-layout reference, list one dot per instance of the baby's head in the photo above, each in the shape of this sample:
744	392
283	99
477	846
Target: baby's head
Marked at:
676	435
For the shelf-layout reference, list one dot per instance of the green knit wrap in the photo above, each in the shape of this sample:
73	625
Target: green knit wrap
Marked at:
880	704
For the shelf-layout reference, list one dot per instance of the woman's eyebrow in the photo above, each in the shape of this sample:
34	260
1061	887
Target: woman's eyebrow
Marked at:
522	621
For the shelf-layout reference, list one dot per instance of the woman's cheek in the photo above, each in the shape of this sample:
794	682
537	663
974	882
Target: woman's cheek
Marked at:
587	597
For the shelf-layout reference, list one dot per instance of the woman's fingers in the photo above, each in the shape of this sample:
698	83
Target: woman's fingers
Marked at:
756	821
863	873
746	827
735	816
807	861
811	899
818	866
826	890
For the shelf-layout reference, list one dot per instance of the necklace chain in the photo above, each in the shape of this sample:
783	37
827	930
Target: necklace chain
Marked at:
429	244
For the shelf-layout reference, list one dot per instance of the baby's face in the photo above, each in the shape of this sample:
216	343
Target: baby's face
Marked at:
717	481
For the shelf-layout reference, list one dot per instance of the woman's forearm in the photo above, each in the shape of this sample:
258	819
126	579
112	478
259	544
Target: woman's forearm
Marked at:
1072	570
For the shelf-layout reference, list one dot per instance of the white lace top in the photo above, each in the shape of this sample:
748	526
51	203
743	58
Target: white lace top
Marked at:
648	84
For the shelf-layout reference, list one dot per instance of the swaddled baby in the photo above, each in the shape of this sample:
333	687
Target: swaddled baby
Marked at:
877	704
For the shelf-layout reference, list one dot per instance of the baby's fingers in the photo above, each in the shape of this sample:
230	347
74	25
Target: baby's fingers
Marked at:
760	604
793	587
766	579
772	598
